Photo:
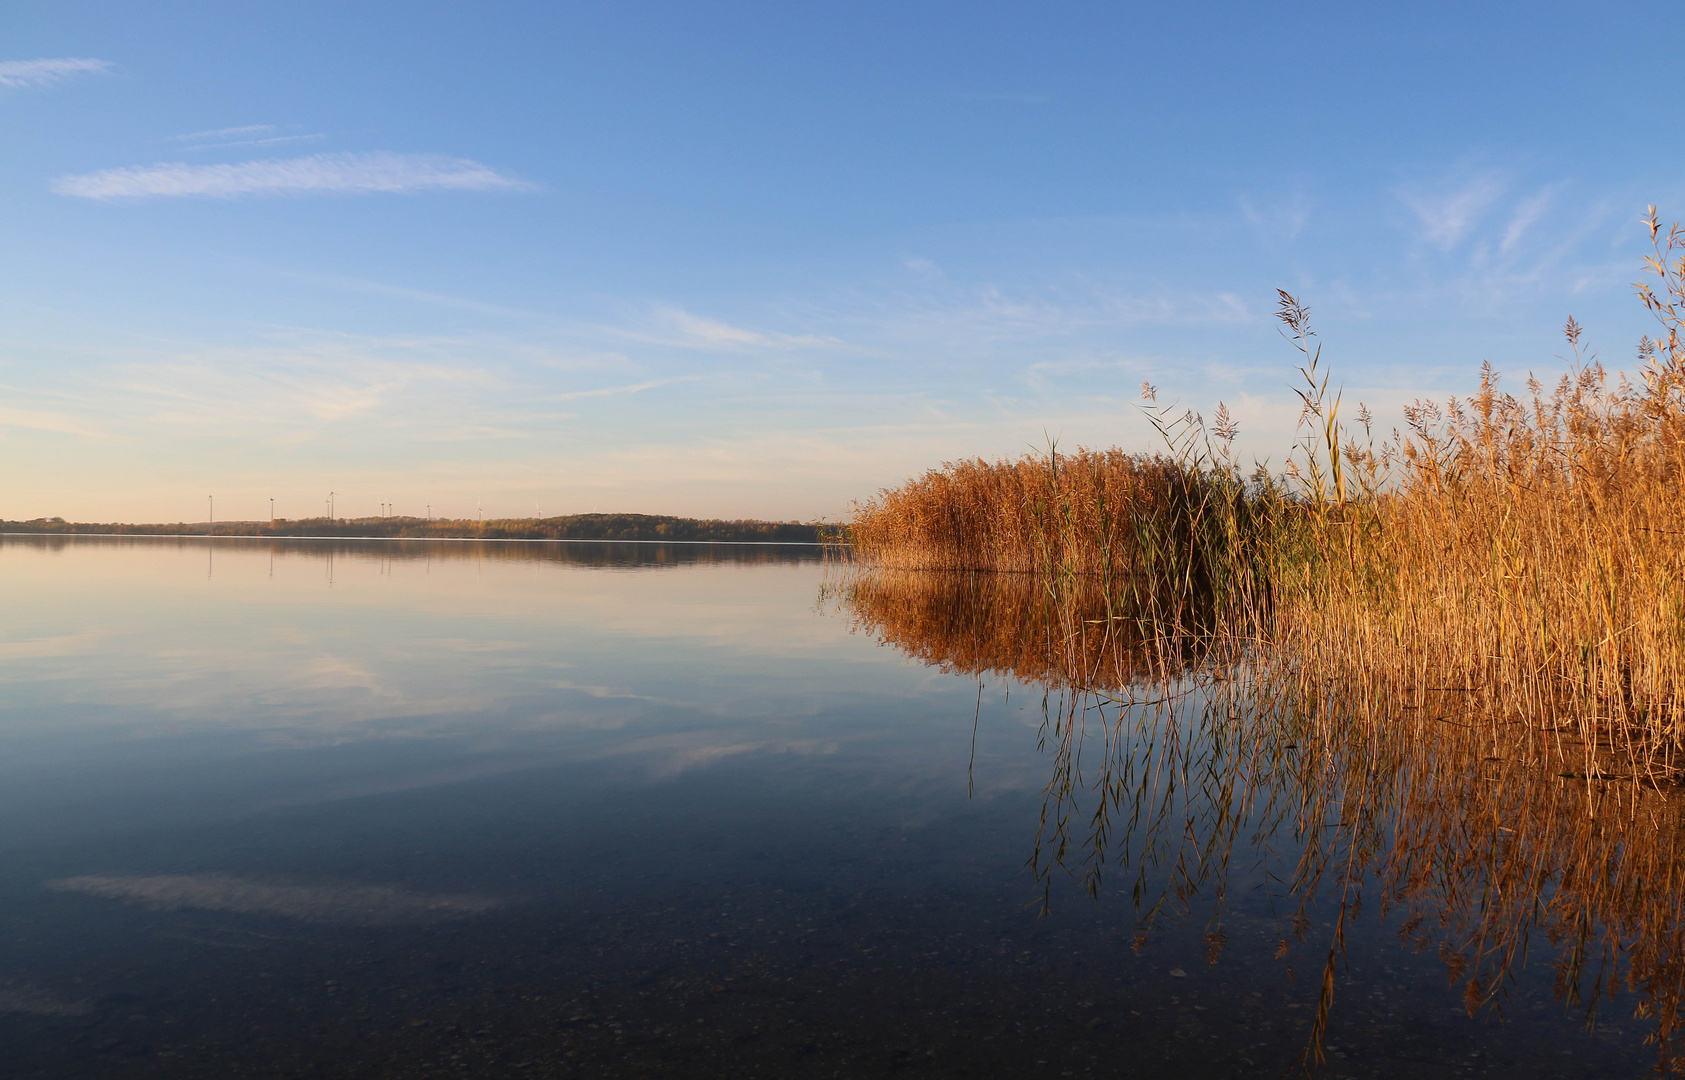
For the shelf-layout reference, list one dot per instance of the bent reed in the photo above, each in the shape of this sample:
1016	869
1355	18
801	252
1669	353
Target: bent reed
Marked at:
1524	556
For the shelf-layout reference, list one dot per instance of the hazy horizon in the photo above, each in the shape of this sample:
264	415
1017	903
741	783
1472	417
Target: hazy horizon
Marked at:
753	261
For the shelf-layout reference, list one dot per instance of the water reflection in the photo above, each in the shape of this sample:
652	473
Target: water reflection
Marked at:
1012	625
1487	844
357	905
592	553
480	813
122	667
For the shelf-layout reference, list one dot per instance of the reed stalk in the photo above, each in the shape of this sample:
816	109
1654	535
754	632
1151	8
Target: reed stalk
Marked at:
1527	552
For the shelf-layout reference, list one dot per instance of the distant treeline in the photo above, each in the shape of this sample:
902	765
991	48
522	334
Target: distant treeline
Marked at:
571	527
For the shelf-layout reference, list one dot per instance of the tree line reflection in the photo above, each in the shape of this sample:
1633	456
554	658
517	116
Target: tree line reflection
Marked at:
586	553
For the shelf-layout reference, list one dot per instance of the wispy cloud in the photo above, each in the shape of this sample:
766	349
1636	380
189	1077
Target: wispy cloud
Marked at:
318	174
274	141
296	391
1447	218
381	288
698	331
1526	215
58	423
981	316
712	332
224	133
22	73
244	135
677	327
1281	218
631	388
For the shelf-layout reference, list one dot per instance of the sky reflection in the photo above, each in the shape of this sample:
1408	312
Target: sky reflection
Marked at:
133	666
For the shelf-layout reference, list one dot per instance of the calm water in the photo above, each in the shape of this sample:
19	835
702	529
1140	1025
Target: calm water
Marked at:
286	809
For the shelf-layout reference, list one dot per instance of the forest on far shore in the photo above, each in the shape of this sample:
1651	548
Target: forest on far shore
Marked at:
569	527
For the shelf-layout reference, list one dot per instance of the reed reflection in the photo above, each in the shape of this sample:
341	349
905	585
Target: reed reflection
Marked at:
1009	625
1179	762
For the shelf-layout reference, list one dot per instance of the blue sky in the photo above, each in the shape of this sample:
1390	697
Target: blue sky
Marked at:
761	260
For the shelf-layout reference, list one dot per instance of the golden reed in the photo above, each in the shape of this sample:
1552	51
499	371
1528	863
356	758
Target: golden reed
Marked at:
1524	554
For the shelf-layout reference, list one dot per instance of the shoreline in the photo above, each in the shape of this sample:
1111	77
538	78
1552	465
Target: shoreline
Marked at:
643	528
418	539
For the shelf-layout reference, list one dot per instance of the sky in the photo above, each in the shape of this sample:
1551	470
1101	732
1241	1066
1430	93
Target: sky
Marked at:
762	260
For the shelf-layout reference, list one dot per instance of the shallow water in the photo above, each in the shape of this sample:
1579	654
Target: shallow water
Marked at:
424	808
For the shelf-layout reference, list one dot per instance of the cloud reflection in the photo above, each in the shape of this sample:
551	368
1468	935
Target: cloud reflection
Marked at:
33	1001
357	905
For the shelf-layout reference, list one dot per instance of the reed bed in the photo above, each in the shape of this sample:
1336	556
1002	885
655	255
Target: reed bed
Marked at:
1526	553
1444	672
1065	511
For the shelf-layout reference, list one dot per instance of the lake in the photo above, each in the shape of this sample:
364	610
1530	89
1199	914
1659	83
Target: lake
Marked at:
393	808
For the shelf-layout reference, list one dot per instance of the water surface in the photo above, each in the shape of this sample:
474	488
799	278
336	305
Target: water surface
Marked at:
424	808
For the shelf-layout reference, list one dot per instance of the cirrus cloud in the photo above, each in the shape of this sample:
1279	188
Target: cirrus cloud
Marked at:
225	133
1447	217
318	174
21	73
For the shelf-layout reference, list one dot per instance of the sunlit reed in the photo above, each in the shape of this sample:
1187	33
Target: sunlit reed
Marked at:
1440	672
1528	552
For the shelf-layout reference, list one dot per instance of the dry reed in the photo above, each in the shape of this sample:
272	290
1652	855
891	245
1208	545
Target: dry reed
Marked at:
1464	648
1527	552
1069	511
